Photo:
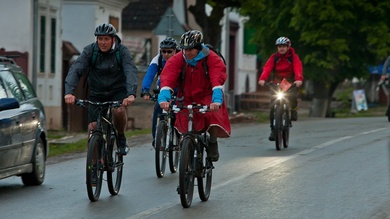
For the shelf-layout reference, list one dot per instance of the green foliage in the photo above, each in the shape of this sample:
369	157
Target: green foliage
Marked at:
334	39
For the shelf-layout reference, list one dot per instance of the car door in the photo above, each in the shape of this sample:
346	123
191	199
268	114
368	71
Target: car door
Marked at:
32	118
11	136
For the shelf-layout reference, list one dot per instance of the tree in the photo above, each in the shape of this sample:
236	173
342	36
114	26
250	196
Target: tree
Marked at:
336	40
211	27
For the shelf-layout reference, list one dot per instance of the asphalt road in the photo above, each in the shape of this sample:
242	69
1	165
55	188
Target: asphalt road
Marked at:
334	168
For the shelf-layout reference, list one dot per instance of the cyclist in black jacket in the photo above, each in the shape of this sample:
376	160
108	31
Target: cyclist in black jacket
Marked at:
112	75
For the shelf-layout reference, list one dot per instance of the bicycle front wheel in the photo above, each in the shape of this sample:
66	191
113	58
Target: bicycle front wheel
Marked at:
161	148
206	174
278	128
186	172
286	128
115	167
94	170
174	150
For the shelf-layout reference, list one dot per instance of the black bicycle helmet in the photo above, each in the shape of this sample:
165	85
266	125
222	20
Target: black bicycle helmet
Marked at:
105	30
283	41
168	43
191	39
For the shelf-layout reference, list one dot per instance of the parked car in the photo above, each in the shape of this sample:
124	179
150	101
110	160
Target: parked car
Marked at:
23	143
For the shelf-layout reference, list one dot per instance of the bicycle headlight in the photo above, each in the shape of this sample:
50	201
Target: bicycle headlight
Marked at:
279	95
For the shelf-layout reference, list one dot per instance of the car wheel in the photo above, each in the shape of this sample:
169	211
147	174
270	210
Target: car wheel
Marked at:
37	175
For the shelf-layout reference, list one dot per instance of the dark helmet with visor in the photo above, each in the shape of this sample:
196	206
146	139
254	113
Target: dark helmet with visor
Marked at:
168	43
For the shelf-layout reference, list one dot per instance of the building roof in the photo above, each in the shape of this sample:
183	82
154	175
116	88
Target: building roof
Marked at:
144	14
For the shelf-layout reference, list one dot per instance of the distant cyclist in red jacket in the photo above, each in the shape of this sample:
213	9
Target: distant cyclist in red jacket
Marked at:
287	65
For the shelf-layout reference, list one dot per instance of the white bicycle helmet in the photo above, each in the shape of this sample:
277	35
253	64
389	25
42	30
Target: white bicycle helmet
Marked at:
283	41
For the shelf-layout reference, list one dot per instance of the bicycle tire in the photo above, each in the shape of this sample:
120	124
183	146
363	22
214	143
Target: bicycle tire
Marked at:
174	150
206	174
115	167
94	170
388	113
286	128
161	148
186	172
278	128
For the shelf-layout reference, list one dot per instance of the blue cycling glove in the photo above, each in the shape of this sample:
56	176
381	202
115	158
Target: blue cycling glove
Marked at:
164	96
217	96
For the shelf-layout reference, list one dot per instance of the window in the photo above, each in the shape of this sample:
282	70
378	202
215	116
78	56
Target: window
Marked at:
53	46
115	22
3	91
25	85
42	41
11	86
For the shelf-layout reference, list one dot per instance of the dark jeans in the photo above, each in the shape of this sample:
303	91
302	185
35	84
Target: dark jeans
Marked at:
292	100
156	112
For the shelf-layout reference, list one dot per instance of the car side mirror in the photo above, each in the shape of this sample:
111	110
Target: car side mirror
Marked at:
9	103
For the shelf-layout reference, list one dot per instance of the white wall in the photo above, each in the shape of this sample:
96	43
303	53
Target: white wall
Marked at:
16	32
78	24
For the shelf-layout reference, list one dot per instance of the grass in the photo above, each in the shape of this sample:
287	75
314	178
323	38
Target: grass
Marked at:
81	145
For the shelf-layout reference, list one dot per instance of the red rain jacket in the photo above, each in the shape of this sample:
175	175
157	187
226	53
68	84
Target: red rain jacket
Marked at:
292	71
197	88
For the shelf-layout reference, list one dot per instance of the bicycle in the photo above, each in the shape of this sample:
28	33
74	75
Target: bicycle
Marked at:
166	141
281	114
101	155
193	160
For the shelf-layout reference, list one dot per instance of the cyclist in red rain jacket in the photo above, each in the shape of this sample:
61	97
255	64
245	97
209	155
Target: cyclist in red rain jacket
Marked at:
285	63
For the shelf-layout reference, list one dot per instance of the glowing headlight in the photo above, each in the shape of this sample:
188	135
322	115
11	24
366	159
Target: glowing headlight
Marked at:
279	95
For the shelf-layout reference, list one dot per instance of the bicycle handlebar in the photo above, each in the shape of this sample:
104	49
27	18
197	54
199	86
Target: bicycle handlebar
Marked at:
202	108
113	104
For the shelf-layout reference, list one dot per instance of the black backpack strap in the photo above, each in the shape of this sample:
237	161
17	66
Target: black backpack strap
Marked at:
205	67
159	65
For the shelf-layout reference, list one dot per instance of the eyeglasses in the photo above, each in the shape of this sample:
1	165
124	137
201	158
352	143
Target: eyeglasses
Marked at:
167	51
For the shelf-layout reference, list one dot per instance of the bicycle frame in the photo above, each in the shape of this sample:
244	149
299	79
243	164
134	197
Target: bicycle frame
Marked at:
281	115
193	162
101	156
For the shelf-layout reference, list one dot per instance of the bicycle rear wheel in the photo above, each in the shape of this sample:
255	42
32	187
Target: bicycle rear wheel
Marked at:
206	174
161	148
115	167
186	172
174	150
278	128
94	170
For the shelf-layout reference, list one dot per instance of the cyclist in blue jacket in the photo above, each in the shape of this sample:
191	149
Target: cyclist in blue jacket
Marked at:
168	48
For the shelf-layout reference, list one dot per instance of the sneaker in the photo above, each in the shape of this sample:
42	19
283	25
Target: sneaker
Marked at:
212	152
122	146
294	115
272	136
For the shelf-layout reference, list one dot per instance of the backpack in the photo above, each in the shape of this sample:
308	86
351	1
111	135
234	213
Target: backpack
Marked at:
205	67
96	52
